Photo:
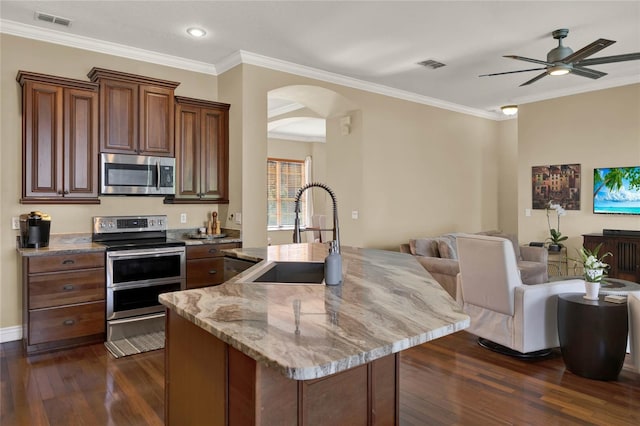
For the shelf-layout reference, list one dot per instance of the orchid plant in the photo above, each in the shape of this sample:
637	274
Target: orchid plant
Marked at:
556	237
594	266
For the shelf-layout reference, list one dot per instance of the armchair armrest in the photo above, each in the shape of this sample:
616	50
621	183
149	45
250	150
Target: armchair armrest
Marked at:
404	248
439	265
534	254
536	313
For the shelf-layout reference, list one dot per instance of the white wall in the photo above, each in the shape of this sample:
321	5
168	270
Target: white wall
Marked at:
595	129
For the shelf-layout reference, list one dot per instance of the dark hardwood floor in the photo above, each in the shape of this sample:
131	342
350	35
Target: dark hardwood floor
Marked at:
450	381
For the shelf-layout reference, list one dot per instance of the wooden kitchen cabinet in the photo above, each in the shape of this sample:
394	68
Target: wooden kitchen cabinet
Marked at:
63	300
202	152
625	249
205	264
136	113
59	140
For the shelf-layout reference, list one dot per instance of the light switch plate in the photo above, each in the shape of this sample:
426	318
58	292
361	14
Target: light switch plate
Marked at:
238	217
354	214
183	218
15	222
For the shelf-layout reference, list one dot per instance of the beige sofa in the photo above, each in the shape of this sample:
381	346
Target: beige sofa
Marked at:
438	255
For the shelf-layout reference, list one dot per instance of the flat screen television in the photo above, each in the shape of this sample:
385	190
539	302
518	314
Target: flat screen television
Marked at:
616	190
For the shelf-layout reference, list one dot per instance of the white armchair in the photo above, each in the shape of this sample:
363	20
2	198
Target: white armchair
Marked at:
508	316
633	304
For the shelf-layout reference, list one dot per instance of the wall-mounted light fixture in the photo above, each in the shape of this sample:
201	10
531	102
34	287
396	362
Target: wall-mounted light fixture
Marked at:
509	109
345	125
196	32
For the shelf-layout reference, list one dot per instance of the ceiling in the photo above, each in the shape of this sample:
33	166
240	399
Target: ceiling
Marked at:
369	45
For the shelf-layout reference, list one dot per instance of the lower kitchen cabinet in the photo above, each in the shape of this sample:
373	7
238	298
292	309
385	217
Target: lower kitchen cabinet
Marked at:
205	264
63	300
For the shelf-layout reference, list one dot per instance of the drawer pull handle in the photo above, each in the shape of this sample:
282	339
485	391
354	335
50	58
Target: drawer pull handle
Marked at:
213	250
212	272
69	322
68	262
67	287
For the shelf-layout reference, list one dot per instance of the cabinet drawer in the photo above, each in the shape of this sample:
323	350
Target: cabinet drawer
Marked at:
62	262
209	250
205	272
48	325
48	290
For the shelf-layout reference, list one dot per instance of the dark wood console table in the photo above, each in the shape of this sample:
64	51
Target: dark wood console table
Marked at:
625	263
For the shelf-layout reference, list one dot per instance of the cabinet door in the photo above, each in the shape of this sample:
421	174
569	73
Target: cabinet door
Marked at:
42	139
187	151
205	272
80	143
156	121
118	117
214	161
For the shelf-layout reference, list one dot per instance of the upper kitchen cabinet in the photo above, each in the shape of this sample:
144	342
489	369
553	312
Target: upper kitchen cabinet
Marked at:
202	152
136	113
59	140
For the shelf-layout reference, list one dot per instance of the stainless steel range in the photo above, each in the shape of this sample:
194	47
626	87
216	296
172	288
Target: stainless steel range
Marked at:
141	263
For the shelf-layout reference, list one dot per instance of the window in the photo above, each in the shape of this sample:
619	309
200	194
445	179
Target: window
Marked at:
284	179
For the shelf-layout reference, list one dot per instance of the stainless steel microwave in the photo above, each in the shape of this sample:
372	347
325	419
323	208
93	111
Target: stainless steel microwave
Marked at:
123	174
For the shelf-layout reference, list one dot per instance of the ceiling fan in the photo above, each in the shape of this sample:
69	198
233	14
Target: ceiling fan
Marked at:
562	60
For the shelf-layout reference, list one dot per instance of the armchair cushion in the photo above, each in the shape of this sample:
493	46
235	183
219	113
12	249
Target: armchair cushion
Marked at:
447	248
424	247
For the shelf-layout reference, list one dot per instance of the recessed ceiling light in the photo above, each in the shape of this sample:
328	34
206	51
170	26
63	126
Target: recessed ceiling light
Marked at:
196	32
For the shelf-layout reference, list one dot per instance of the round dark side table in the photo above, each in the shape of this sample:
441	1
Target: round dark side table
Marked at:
593	335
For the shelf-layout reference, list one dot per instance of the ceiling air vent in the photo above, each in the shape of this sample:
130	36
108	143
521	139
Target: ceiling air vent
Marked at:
430	63
40	16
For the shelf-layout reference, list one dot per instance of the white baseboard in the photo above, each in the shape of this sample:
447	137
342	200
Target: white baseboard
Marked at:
9	334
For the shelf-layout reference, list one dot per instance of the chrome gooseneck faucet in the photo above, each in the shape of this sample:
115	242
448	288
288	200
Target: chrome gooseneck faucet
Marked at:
296	229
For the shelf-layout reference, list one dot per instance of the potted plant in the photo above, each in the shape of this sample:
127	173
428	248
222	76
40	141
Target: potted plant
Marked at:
594	270
556	238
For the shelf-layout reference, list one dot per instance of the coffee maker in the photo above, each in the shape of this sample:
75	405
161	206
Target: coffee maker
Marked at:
34	229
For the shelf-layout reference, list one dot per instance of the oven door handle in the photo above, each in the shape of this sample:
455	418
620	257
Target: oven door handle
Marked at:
145	283
158	175
126	254
134	319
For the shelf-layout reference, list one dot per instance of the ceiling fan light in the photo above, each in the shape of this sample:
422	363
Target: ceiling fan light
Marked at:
196	32
509	109
559	70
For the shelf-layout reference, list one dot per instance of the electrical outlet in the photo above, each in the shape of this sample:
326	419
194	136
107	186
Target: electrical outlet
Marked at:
183	218
354	214
15	222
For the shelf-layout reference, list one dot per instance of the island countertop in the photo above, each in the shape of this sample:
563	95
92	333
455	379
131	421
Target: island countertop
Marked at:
387	303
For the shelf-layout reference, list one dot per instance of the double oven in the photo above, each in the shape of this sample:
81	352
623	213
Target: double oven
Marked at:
141	263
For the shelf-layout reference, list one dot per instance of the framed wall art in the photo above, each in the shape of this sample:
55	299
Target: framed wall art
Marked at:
557	183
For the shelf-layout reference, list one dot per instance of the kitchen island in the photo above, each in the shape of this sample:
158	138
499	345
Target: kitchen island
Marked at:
255	353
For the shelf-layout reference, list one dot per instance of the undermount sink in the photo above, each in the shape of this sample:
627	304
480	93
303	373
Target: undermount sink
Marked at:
289	273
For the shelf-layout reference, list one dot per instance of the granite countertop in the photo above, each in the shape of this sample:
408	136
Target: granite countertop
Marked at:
81	242
387	303
62	244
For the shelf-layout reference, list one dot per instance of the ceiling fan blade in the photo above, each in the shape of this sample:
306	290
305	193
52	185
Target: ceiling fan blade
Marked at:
522	58
609	59
588	50
587	72
511	72
534	79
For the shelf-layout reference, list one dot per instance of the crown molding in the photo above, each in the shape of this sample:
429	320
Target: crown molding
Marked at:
245	57
329	77
100	46
591	86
